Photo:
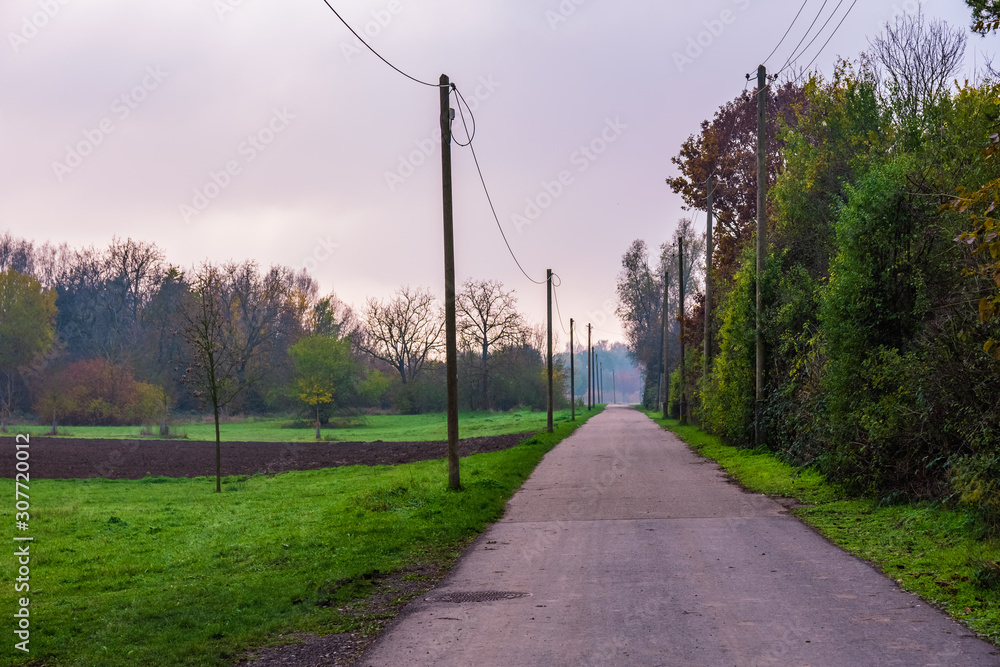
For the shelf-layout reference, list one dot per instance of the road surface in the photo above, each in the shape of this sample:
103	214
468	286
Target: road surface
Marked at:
625	548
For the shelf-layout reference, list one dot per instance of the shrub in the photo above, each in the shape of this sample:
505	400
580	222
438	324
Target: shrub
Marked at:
95	392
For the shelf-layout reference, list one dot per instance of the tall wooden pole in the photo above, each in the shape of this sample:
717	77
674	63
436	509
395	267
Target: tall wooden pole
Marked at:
572	376
450	318
614	387
708	281
548	282
761	239
597	378
665	376
590	373
680	316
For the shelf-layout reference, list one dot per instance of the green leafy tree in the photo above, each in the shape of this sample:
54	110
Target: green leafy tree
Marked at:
327	374
27	319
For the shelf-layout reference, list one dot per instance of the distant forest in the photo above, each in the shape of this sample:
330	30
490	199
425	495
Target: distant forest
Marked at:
118	335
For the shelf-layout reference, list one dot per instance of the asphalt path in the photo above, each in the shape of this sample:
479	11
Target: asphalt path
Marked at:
625	548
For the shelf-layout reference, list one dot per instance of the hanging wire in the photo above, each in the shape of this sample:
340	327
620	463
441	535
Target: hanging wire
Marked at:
461	101
815	37
488	197
804	2
806	69
361	39
555	297
792	56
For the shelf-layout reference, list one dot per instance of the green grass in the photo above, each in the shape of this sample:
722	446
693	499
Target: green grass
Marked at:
388	428
943	554
163	571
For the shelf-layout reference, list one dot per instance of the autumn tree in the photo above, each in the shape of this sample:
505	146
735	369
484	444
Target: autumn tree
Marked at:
726	148
329	377
27	315
488	321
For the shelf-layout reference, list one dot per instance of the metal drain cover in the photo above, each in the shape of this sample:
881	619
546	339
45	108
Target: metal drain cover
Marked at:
476	596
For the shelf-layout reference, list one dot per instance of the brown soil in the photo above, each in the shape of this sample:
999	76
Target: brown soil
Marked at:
65	458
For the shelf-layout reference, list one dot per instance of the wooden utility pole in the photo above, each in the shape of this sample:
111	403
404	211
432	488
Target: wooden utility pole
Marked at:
614	387
548	282
590	374
761	239
597	379
708	282
664	376
572	376
680	317
450	319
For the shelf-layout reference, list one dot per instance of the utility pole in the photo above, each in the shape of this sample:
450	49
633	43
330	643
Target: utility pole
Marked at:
548	282
450	319
602	383
708	282
572	376
680	317
590	375
614	387
665	377
761	239
597	379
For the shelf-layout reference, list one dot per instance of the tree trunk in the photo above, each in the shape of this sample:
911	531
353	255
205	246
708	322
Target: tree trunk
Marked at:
317	421
218	448
486	371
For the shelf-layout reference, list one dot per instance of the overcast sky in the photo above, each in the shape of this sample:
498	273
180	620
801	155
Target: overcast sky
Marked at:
232	129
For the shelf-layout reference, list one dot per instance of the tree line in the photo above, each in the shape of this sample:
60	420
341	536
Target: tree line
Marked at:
881	290
118	335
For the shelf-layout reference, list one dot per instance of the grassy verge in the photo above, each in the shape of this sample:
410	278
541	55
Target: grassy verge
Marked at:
160	571
389	428
943	554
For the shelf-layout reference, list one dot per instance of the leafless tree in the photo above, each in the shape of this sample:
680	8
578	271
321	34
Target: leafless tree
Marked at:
403	331
917	60
229	325
488	321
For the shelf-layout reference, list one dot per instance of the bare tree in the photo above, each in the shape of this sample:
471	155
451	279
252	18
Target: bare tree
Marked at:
229	323
917	60
488	320
403	331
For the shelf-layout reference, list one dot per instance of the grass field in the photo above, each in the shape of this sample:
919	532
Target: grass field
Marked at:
943	554
163	572
388	428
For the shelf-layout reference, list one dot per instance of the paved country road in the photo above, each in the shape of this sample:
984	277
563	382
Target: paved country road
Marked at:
625	548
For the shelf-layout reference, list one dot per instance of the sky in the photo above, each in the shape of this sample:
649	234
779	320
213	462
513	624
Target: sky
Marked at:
234	129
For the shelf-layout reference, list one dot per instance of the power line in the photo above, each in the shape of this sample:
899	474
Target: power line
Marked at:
808	30
804	2
461	101
555	297
489	198
818	33
361	39
827	40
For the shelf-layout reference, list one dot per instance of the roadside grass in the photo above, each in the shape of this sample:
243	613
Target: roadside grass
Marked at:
944	554
159	571
388	428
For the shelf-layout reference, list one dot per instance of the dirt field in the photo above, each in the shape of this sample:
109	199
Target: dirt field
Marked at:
64	458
